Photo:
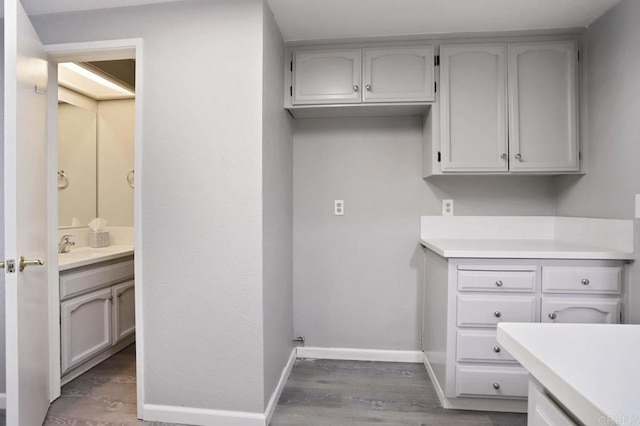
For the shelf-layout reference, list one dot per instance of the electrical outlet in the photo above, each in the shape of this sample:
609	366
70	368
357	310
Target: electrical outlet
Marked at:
338	207
447	207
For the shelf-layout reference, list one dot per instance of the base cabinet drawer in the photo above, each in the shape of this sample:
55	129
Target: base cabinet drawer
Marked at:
480	346
581	311
499	382
487	311
582	279
498	281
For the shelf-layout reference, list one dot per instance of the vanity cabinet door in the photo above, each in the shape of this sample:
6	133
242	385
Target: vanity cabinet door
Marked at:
326	76
583	311
85	327
124	318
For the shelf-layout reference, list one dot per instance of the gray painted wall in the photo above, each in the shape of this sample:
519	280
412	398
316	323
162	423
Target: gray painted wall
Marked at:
3	372
613	152
357	276
201	193
277	220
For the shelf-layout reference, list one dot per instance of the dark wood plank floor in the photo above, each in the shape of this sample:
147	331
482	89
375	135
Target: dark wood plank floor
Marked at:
318	393
355	393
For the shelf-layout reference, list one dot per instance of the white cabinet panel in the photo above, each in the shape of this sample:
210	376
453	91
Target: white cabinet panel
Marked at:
480	346
487	311
575	310
124	318
473	108
543	113
327	76
77	282
543	411
496	281
398	74
86	327
502	382
582	279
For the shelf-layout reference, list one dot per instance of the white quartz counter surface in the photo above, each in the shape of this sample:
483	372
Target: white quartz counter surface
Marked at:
521	249
592	369
83	256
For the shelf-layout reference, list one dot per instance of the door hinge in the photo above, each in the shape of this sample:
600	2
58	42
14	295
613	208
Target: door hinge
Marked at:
291	91
579	155
291	66
578	56
435	87
10	266
436	60
439	157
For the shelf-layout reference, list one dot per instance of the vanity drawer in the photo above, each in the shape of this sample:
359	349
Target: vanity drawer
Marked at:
582	279
480	346
478	280
500	382
78	282
487	311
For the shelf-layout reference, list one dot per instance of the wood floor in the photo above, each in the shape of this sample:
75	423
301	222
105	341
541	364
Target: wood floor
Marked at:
318	393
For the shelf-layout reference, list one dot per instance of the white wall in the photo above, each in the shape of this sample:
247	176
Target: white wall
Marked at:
115	160
201	194
2	301
357	276
77	157
613	152
277	221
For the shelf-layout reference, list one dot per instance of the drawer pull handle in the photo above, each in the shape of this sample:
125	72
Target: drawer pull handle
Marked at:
496	386
355	88
553	315
497	349
585	281
497	314
499	283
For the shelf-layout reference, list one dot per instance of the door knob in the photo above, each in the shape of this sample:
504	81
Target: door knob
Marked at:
24	263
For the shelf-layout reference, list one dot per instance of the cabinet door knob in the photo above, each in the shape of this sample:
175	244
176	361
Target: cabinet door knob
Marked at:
110	297
504	156
499	283
497	349
553	315
585	281
355	88
518	157
496	386
497	314
368	87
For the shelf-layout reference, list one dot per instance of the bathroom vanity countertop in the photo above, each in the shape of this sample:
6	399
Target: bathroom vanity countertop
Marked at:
521	249
83	256
592	369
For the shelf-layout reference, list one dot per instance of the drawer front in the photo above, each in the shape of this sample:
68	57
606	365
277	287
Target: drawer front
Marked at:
480	346
581	311
75	283
487	311
582	279
499	382
544	412
523	281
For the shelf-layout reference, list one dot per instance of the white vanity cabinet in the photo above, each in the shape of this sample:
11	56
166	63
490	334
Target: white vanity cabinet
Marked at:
505	108
369	75
465	299
97	314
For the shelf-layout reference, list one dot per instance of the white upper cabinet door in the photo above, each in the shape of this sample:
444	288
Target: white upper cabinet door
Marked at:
326	76
473	108
398	74
543	116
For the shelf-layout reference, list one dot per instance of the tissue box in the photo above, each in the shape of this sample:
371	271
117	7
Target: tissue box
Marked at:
99	239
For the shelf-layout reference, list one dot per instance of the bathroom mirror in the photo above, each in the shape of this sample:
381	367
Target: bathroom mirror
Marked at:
77	174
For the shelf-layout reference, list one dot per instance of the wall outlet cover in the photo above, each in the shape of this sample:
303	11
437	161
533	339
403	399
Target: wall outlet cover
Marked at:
447	207
338	207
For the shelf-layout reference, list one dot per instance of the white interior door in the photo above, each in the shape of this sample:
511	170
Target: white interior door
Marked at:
25	201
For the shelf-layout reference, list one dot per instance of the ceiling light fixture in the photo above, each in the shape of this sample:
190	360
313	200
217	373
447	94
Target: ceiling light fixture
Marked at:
95	78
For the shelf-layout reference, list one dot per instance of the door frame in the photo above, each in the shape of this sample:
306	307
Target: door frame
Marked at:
93	51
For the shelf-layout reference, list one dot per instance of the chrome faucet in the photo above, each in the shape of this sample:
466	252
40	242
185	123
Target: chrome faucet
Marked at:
65	244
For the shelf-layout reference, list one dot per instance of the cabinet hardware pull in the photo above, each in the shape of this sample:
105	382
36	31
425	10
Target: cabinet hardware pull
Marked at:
499	283
110	297
497	314
585	281
553	315
496	386
368	87
518	157
118	295
355	88
497	349
504	156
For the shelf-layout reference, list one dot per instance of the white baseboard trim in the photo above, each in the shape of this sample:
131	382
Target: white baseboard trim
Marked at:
201	416
361	354
3	401
273	401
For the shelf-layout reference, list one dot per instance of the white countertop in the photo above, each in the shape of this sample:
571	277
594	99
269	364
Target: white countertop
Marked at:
592	369
82	256
521	249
